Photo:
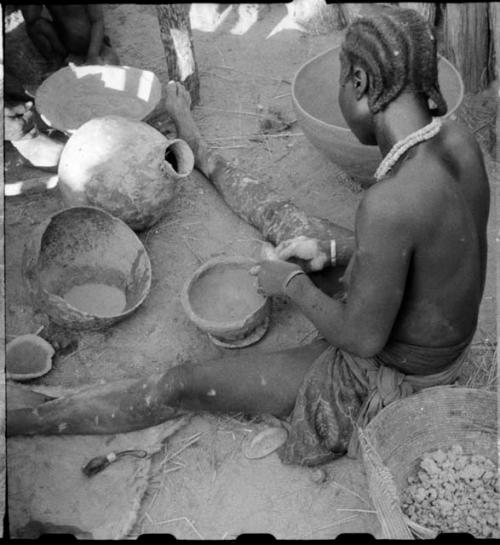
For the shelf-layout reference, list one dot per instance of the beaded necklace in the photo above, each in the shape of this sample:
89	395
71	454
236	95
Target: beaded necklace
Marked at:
425	133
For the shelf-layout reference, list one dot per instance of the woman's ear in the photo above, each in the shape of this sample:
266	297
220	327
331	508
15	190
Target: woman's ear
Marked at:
360	82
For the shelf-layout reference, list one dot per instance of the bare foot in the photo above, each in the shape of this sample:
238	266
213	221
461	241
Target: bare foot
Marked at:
178	102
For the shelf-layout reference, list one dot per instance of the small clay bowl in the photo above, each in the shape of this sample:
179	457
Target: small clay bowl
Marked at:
86	269
221	299
320	117
28	357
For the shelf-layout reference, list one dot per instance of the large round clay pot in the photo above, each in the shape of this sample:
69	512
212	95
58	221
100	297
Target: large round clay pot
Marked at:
319	115
125	167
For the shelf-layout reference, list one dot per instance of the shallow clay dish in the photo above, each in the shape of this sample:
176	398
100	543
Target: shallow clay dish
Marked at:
28	357
221	299
314	98
75	94
265	442
86	269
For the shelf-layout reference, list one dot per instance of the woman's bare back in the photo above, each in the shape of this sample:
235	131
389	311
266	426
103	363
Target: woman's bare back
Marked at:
444	188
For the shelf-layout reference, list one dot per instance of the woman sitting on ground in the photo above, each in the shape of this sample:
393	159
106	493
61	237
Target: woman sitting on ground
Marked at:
414	281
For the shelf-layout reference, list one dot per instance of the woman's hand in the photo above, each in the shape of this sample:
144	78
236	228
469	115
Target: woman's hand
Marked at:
271	275
305	248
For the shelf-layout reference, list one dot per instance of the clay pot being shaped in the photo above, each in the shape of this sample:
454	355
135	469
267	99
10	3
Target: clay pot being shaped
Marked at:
125	167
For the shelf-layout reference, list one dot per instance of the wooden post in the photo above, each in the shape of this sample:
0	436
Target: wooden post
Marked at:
494	16
316	16
175	29
426	9
466	42
2	317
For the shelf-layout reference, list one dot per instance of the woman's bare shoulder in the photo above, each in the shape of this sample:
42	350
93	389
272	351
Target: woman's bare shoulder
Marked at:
460	139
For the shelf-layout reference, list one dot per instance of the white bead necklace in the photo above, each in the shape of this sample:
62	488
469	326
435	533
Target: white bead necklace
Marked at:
425	133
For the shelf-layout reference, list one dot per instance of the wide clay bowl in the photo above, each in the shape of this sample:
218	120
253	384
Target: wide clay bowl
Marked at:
86	269
76	94
315	101
221	299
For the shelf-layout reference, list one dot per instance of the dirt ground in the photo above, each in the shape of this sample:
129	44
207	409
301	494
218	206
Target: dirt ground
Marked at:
210	490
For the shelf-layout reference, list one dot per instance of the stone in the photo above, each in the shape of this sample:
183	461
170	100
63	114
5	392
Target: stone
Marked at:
430	466
445	506
471	472
439	456
420	494
460	462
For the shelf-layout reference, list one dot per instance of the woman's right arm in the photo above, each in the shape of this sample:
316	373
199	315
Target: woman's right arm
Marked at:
317	254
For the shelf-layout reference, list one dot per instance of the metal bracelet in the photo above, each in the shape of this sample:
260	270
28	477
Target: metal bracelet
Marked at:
333	253
293	274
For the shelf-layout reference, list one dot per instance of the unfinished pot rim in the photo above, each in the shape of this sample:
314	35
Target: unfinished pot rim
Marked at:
326	125
36	340
212	327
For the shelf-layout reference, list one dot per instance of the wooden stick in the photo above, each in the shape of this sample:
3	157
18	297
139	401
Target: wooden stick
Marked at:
218	76
280	135
351	491
357	510
229	147
332	524
178	519
238	112
189	442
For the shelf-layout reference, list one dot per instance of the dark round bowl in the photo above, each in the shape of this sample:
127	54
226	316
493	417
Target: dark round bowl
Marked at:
315	101
95	257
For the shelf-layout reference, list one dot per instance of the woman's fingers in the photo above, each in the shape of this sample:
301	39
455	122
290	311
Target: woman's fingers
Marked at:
268	251
287	249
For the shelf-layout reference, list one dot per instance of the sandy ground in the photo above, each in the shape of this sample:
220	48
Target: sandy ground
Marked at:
210	490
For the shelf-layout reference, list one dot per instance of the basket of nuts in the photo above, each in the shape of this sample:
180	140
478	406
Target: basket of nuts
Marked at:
432	464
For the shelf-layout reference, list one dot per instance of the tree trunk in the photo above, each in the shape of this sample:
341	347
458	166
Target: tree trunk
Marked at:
316	16
175	29
426	9
494	14
466	42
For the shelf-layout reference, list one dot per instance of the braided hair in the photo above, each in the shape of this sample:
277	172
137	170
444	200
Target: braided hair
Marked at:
397	48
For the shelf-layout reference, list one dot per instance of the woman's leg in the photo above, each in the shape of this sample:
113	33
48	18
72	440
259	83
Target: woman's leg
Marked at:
261	384
275	216
45	38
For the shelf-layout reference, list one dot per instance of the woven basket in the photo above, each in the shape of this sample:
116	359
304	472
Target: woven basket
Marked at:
395	441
